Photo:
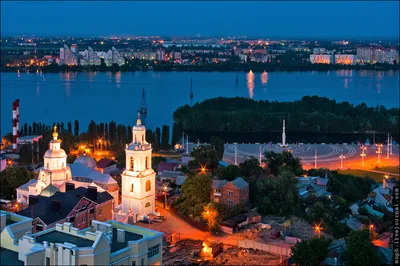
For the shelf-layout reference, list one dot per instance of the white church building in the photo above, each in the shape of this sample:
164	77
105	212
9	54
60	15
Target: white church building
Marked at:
56	172
138	180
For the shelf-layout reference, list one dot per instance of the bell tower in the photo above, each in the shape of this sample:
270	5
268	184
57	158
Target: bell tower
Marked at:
138	179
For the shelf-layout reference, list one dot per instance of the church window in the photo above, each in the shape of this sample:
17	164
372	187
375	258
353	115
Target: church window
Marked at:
47	165
132	186
147	204
131	168
62	165
142	138
135	139
148	185
146	162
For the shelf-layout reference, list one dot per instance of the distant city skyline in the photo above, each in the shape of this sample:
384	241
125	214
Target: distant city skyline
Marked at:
312	19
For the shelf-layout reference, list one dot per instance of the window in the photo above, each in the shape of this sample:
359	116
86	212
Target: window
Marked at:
132	161
142	138
134	263
62	165
146	163
230	202
91	211
132	187
100	212
230	193
84	219
135	139
47	165
153	251
148	185
142	262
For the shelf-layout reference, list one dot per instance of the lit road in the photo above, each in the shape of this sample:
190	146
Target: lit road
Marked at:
328	155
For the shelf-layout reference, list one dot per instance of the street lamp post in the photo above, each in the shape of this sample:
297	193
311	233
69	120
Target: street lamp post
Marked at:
341	159
235	154
165	193
363	148
259	147
318	230
315	159
379	152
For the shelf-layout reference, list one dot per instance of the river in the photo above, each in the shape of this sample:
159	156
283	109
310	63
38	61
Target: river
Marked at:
102	97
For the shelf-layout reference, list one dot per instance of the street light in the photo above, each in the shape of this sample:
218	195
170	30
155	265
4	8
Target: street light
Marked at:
379	151
341	159
363	148
165	193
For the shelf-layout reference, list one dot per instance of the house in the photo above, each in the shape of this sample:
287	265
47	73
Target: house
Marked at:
382	198
302	190
106	166
233	224
167	166
317	190
354	224
230	192
104	243
335	252
77	206
173	176
307	179
389	183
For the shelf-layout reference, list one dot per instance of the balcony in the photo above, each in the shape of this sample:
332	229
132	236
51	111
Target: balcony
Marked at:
217	194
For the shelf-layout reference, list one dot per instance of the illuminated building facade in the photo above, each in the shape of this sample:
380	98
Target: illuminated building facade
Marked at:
321	59
345	59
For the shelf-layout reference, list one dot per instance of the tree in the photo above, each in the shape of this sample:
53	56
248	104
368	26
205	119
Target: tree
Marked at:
76	128
165	138
157	138
250	167
360	251
210	215
278	162
310	252
69	128
204	157
218	145
11	178
229	173
195	194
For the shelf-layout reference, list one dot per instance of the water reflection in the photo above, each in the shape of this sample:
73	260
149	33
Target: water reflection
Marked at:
37	88
18	74
264	77
67	84
118	80
250	83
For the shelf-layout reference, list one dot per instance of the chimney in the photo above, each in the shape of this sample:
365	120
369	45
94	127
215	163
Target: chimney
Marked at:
33	200
120	236
92	192
69	186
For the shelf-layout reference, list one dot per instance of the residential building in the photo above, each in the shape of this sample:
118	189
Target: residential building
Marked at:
389	183
230	192
104	243
78	206
316	190
321	59
106	166
160	54
345	59
167	166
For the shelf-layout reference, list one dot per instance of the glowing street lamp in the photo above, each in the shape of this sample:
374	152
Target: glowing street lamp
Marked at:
363	148
379	151
165	193
318	230
341	159
371	228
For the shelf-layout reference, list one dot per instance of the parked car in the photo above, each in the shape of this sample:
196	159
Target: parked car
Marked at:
162	217
146	221
275	235
157	220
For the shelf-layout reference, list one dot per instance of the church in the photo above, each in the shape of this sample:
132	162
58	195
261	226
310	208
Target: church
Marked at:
138	180
55	173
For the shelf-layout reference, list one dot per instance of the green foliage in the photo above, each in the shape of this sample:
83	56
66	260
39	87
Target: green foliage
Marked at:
251	167
11	178
360	251
310	252
218	145
350	188
275	195
228	211
165	138
195	195
229	173
363	211
277	162
204	156
310	114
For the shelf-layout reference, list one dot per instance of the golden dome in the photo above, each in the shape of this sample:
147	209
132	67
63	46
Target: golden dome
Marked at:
55	134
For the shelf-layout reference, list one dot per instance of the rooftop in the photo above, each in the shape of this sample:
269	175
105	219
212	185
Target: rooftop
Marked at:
60	237
103	163
9	257
115	245
240	183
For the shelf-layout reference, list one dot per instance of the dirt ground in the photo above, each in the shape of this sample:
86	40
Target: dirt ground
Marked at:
232	255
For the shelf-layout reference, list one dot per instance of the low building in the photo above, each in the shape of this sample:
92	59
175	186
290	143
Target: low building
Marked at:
345	59
389	183
321	59
167	166
78	206
104	243
316	190
302	190
106	166
235	192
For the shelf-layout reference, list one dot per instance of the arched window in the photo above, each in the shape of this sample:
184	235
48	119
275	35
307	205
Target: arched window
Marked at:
142	138
132	187
148	185
131	165
62	165
146	163
135	139
148	204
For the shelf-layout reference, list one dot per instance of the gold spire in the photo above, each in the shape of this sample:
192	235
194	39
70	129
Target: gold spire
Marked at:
55	134
138	121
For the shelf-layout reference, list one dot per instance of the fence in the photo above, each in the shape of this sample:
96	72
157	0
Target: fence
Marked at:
279	250
193	223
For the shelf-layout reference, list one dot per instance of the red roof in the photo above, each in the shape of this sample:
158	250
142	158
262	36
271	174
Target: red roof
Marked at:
103	163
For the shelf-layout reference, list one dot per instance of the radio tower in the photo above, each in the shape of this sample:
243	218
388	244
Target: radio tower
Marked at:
191	92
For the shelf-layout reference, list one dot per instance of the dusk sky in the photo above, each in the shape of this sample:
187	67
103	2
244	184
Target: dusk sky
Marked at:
369	19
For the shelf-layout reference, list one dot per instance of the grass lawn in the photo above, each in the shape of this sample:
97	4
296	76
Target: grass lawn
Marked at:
376	176
389	169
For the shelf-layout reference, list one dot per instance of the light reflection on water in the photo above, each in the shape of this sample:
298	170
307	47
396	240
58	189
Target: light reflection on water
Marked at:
250	83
